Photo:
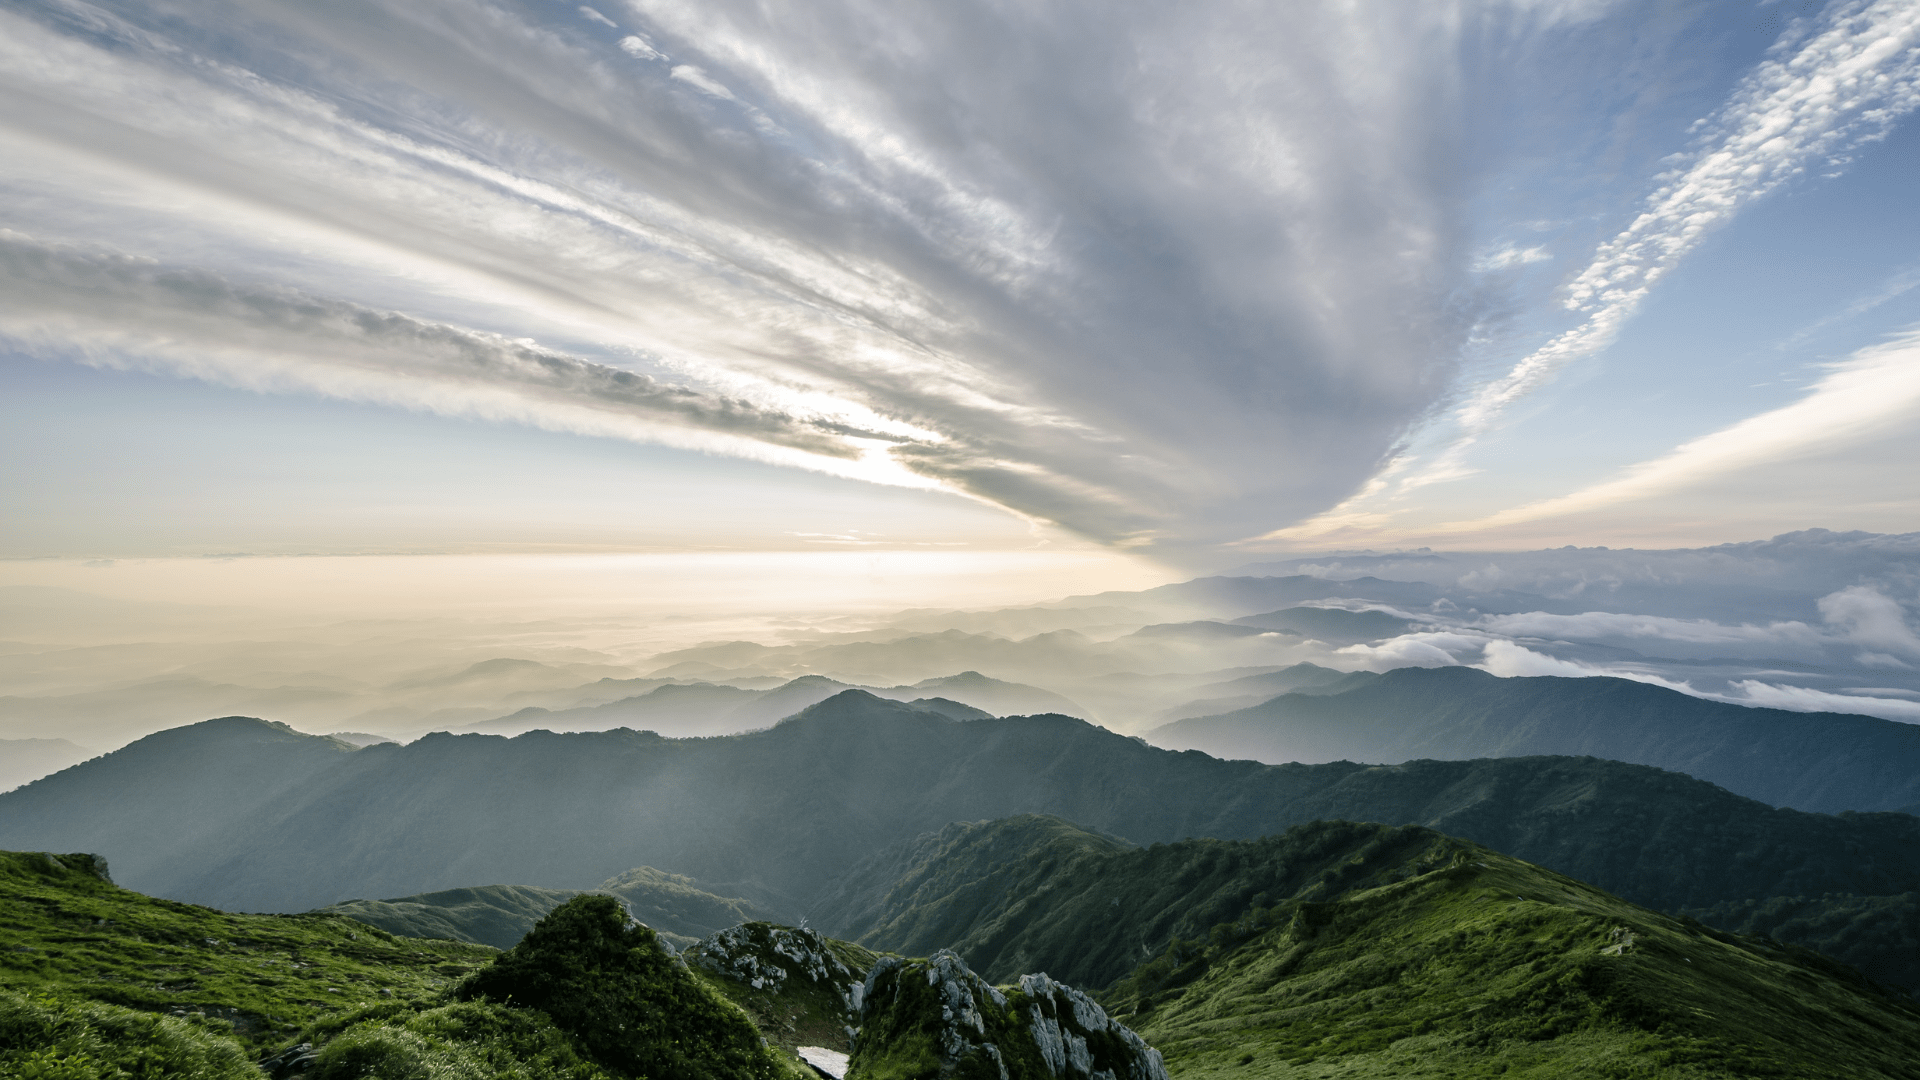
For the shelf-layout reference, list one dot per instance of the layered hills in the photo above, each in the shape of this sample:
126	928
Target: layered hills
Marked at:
242	814
694	709
500	915
1827	762
1334	949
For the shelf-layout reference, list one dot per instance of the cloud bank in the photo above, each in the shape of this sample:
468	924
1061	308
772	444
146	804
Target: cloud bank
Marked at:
1161	274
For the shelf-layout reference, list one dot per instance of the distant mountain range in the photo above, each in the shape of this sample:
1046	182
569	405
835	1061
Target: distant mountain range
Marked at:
23	761
694	709
1826	762
500	915
242	814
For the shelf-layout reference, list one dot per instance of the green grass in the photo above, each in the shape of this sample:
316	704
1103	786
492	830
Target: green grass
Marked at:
1494	967
102	983
256	979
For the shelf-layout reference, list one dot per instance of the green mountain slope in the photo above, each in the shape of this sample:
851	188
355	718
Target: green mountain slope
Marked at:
1489	966
256	979
495	915
1037	894
1825	762
102	983
780	816
675	907
929	893
1343	949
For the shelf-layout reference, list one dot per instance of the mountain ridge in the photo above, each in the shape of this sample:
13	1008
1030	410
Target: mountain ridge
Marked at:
778	816
1822	762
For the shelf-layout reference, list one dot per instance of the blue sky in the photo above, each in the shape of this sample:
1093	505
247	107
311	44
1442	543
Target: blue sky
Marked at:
1192	281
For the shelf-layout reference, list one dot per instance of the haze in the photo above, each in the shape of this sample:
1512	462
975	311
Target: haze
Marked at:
346	347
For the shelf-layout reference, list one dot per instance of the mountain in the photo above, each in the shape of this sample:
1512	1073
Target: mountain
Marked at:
147	804
1880	935
1038	893
1344	949
675	907
995	696
1448	959
257	980
1227	695
1336	626
496	915
692	710
22	761
248	815
1826	762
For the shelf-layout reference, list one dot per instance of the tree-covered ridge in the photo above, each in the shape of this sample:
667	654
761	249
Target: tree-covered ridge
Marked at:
1880	935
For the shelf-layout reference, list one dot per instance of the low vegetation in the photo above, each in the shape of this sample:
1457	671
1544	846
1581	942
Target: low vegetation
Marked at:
1489	966
102	983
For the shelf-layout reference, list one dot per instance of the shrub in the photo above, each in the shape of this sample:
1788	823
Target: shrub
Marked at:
606	981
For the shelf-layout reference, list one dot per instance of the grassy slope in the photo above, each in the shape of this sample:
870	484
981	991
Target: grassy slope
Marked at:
496	915
102	983
500	915
1021	895
255	978
1495	967
928	893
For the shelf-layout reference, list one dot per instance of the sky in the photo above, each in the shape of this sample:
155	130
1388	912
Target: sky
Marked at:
1129	286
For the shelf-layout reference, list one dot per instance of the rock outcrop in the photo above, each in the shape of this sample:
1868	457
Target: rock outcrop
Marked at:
935	1019
766	957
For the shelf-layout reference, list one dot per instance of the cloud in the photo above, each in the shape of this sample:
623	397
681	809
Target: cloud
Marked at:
1871	619
1870	393
691	75
1508	256
119	311
638	47
1844	84
594	16
1151	313
1801	699
1427	649
1824	89
1780	638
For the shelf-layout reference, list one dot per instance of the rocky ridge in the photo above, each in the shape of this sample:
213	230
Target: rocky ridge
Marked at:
936	1018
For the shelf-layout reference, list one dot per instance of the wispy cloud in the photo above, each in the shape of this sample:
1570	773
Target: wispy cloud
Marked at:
1844	82
1829	85
1857	399
114	310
